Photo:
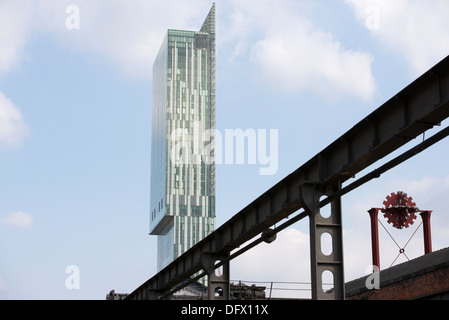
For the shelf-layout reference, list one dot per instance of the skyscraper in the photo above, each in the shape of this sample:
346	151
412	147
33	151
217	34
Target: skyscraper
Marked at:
182	201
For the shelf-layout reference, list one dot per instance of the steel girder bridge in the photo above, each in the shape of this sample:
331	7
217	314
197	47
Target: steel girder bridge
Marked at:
417	108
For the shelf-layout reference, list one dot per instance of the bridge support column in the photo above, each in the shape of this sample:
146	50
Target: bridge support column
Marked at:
329	265
218	283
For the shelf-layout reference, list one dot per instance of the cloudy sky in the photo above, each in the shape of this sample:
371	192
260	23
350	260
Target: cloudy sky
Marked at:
75	127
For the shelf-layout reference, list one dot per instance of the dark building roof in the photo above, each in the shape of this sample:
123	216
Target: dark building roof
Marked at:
418	278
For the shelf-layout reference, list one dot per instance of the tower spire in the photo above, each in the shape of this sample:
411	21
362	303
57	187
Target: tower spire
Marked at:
209	24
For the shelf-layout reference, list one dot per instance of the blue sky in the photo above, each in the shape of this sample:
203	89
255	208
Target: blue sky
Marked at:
75	127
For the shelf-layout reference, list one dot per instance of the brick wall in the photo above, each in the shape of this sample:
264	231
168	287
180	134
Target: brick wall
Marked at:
412	288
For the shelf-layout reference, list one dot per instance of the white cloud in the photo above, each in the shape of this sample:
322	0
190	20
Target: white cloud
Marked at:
18	219
275	256
417	30
14	18
284	260
290	52
14	25
293	54
12	126
128	35
309	59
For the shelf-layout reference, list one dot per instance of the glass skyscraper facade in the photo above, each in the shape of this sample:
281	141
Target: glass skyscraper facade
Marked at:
182	200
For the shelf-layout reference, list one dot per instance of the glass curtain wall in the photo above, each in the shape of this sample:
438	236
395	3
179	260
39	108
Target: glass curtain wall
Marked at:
182	182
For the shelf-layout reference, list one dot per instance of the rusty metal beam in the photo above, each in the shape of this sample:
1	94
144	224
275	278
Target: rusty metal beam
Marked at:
420	106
